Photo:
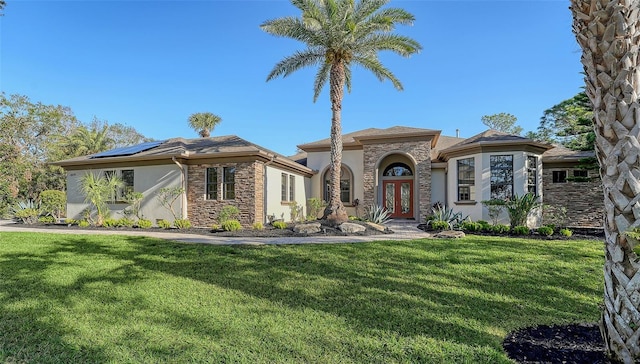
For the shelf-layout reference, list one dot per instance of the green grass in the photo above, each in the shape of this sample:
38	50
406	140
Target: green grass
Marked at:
82	298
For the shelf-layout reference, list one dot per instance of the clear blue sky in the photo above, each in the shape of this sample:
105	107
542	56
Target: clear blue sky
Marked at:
150	64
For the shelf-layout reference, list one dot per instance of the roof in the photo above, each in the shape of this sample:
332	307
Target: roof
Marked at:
564	154
357	138
186	150
490	138
444	142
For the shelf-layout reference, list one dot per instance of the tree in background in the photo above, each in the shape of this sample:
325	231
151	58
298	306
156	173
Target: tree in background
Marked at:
204	123
2	4
339	34
608	32
503	122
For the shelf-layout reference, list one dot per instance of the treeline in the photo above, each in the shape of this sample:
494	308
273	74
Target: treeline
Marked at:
34	134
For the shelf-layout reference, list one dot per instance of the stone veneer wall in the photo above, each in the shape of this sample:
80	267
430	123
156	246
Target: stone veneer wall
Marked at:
583	200
249	191
420	151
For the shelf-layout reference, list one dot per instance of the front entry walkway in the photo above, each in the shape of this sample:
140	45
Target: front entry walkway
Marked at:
403	230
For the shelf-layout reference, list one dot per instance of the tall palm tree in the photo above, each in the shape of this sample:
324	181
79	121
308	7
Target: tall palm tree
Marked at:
608	32
204	123
339	34
85	141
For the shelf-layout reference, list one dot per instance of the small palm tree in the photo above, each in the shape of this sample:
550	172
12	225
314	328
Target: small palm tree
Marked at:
339	34
204	123
98	190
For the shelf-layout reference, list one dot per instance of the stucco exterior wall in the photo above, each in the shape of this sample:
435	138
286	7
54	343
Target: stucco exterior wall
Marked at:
147	179
438	186
583	200
274	204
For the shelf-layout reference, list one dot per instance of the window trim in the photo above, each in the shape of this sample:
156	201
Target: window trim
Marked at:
559	180
208	184
533	170
470	186
228	186
325	183
120	193
292	187
491	172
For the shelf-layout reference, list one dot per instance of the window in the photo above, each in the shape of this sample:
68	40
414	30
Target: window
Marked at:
229	183
581	173
126	176
292	187
345	184
466	179
532	175
501	176
212	184
397	169
284	189
288	188
559	176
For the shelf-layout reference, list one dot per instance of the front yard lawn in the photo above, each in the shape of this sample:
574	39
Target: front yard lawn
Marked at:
83	298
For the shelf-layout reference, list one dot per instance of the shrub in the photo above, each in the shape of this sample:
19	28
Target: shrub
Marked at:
71	221
257	226
26	211
144	224
215	227
109	222
53	203
442	213
182	223
519	208
484	225
471	226
164	224
84	223
314	207
565	232
439	225
500	229
231	225
279	224
296	212
46	219
545	230
521	230
377	214
228	212
167	196
495	208
125	222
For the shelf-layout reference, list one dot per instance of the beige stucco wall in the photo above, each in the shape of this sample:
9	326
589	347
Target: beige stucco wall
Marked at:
274	204
438	185
147	179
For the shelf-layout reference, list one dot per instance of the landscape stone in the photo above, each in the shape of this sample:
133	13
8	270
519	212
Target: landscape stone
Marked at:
450	234
351	228
375	226
308	228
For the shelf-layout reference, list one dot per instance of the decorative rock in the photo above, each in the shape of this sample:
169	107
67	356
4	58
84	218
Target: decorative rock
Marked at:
375	226
351	228
309	228
450	234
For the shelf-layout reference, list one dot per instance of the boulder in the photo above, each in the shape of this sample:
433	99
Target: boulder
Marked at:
351	228
308	228
377	227
449	234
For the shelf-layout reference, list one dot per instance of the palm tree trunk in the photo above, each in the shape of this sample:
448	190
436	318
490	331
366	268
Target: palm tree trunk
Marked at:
335	213
609	33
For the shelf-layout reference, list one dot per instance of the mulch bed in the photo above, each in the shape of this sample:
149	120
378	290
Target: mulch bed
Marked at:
574	343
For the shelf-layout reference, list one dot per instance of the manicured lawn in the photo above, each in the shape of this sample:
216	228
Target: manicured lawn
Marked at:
83	298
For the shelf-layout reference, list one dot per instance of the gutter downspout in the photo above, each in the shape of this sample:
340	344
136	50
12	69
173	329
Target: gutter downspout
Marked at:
183	183
264	187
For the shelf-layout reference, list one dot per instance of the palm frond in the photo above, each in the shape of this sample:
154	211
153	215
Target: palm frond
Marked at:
296	61
347	78
399	44
321	79
372	64
364	9
289	27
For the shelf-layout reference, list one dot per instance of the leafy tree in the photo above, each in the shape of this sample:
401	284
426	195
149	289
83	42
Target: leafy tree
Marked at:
124	135
569	123
204	123
53	203
98	189
608	33
503	122
89	140
339	34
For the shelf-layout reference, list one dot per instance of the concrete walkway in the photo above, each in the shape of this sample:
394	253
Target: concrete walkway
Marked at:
403	230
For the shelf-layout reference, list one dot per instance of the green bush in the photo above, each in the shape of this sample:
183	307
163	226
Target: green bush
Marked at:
144	224
565	232
46	219
27	211
314	207
84	223
484	225
53	203
257	226
279	224
545	230
164	224
182	223
125	222
521	230
439	225
228	212
471	226
231	225
109	222
377	214
71	221
500	229
215	227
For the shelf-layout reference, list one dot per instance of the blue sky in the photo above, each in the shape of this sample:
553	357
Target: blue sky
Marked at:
150	64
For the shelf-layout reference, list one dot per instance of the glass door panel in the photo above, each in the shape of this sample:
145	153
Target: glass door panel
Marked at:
389	197
405	198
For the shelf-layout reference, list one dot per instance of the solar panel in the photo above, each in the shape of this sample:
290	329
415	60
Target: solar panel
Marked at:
128	150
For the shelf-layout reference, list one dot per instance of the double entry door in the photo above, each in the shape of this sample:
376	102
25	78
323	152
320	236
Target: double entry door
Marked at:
398	197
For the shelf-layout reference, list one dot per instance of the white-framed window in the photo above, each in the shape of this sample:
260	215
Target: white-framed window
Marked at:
228	183
501	176
532	175
346	181
288	187
466	179
211	192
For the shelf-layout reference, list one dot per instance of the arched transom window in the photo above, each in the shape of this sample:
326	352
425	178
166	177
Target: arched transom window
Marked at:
346	181
397	170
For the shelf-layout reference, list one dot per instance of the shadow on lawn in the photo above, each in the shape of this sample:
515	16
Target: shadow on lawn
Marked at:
378	286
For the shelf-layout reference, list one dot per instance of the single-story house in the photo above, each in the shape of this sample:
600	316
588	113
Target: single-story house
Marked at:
405	169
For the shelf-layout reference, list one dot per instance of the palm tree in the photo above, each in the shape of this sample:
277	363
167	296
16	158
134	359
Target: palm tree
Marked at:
85	141
98	190
204	123
609	33
339	34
